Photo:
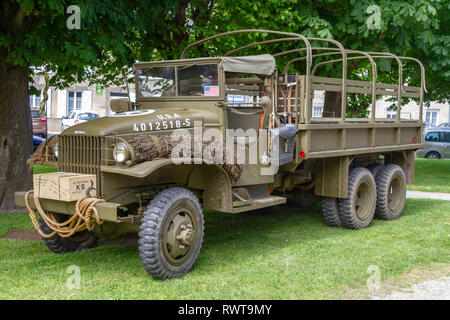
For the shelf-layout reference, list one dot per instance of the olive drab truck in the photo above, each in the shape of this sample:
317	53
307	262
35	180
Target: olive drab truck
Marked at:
249	136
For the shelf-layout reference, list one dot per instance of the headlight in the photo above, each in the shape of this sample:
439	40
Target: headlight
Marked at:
121	153
55	150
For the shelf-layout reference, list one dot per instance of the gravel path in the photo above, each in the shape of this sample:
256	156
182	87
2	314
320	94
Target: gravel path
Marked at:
438	289
428	195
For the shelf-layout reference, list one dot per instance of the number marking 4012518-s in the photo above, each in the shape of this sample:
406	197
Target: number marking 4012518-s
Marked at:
162	125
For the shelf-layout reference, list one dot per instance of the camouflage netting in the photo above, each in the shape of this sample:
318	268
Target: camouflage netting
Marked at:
151	147
45	152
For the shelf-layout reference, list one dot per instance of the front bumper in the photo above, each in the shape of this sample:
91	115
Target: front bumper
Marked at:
106	210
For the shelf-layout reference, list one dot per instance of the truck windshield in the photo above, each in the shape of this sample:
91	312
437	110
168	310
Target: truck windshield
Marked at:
172	81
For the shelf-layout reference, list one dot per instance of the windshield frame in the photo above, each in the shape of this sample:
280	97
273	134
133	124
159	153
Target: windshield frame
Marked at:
180	63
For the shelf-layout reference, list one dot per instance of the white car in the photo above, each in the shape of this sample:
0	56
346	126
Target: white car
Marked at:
444	125
76	117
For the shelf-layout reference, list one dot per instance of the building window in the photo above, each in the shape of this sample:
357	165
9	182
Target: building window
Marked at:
317	112
35	101
73	101
118	95
431	117
391	113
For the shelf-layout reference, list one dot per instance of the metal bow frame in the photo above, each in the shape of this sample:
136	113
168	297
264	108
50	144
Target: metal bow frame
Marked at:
345	56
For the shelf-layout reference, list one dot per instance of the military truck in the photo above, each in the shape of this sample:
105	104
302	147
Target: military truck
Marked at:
357	167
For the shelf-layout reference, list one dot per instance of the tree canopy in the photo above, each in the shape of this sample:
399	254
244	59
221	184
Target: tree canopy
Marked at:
418	28
115	34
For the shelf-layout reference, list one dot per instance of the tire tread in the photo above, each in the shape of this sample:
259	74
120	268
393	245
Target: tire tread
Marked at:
383	180
60	245
150	229
348	216
330	210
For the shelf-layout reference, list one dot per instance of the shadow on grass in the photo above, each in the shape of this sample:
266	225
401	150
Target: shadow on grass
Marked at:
228	236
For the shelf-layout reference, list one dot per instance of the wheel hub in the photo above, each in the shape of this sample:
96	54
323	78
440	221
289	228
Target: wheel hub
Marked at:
180	236
363	200
186	235
395	195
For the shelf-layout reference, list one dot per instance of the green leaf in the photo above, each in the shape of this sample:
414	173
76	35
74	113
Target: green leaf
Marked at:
33	91
26	5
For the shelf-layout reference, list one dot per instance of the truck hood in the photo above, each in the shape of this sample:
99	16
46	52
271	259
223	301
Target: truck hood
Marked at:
144	120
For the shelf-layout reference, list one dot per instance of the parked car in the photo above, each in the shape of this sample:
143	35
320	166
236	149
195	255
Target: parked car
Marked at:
436	145
37	142
76	117
39	123
444	125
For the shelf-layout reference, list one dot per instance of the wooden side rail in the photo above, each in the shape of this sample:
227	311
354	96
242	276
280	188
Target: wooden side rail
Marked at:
355	86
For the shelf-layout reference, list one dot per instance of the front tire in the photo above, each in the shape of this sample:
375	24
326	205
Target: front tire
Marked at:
358	209
391	192
171	233
57	244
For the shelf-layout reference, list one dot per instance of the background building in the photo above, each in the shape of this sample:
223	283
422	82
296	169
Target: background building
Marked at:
433	115
80	96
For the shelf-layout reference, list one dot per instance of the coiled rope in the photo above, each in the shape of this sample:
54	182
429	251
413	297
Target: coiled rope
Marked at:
81	220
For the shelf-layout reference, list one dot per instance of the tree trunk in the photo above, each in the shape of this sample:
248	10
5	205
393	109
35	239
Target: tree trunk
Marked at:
15	133
332	105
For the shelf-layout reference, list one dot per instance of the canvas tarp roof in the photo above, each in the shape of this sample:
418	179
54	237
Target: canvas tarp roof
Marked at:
260	64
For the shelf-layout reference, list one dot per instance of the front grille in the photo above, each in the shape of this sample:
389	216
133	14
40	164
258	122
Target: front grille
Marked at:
81	154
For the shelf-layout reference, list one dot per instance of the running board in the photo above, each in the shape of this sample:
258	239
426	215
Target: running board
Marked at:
259	203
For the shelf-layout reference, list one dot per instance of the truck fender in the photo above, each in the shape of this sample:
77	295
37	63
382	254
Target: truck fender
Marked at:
216	186
212	179
140	170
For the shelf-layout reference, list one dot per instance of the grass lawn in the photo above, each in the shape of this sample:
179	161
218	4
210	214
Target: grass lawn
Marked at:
431	175
40	168
289	254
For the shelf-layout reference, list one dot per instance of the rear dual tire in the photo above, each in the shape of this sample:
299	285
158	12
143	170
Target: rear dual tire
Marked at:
391	192
375	169
378	191
358	209
330	209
